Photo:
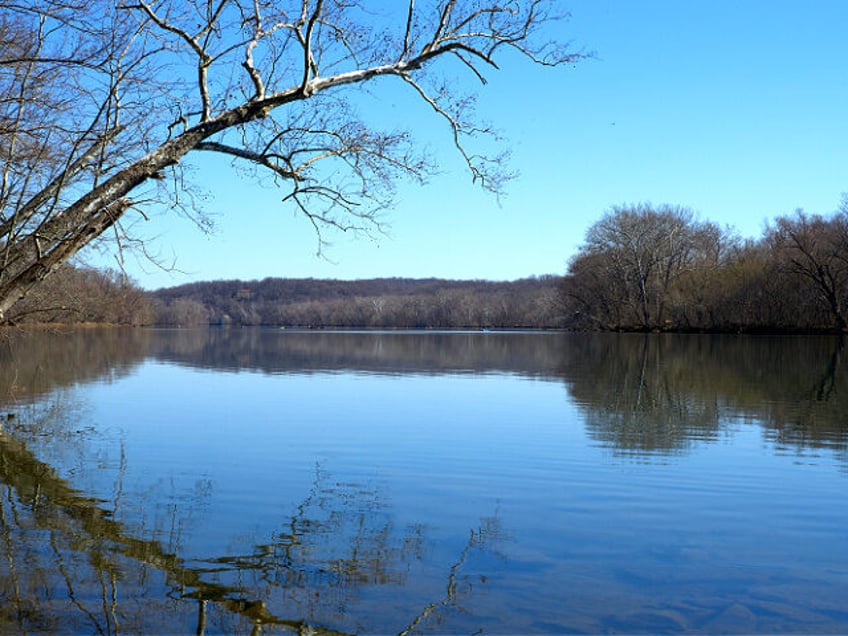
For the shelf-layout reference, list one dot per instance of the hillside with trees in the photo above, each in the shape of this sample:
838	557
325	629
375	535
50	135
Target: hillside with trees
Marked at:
377	303
645	268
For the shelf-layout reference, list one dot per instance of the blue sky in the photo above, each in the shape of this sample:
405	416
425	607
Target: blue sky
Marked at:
738	110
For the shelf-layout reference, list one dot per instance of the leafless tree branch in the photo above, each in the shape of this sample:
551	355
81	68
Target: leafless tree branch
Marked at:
263	83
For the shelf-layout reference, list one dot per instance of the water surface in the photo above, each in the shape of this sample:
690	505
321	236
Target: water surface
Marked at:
264	481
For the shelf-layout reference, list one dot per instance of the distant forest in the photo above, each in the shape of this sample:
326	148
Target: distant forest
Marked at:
640	268
396	303
80	295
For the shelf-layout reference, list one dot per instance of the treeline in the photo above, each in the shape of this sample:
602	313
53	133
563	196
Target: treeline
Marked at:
643	268
640	268
76	295
397	303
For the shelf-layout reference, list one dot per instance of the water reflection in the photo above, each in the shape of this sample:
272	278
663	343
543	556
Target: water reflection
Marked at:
34	362
55	537
273	351
640	393
68	565
664	393
89	545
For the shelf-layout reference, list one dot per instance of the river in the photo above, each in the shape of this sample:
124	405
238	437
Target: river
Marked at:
247	481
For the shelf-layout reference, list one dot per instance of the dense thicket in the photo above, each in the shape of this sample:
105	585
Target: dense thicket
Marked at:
84	295
658	268
377	303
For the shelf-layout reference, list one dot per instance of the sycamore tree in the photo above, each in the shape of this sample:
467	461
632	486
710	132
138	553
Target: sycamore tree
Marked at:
101	101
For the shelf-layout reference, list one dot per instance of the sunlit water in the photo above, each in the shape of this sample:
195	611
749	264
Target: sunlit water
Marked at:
273	482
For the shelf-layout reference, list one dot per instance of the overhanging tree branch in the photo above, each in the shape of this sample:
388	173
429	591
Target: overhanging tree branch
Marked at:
285	111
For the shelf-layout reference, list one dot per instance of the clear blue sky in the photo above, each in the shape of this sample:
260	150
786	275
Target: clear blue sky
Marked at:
738	110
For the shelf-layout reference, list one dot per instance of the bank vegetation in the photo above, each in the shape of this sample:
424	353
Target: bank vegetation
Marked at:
84	295
640	268
646	268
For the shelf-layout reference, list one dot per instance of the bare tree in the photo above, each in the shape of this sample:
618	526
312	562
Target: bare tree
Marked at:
104	99
814	249
633	258
592	293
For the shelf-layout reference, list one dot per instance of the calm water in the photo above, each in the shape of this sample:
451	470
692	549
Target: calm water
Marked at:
250	481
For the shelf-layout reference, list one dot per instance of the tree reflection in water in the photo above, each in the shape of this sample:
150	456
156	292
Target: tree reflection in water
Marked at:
68	566
69	562
642	394
654	394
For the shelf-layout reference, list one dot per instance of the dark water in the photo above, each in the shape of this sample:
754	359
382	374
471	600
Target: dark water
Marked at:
251	481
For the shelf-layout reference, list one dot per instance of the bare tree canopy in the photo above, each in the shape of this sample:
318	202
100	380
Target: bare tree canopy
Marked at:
101	100
657	268
814	249
633	259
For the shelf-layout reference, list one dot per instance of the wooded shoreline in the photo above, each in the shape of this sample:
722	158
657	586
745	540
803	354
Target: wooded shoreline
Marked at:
92	298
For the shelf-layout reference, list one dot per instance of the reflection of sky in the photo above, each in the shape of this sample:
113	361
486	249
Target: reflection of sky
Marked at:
589	532
261	436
